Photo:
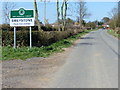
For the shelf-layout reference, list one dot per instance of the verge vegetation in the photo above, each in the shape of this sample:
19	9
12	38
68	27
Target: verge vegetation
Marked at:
9	53
112	32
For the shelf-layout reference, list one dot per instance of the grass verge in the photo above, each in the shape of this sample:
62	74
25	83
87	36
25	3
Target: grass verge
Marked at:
111	32
9	53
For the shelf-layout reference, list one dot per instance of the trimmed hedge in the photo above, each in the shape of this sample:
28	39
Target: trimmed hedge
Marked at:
38	38
6	27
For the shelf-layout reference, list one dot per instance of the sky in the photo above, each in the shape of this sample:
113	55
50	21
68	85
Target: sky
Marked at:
98	10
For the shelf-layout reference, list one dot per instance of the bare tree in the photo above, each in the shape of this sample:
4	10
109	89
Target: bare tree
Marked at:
45	19
113	12
58	13
114	15
64	13
119	14
115	18
36	16
44	12
82	11
7	7
105	19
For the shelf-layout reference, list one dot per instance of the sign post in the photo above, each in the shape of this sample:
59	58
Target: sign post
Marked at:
30	38
14	37
20	18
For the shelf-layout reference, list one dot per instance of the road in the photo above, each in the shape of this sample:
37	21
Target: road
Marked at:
93	63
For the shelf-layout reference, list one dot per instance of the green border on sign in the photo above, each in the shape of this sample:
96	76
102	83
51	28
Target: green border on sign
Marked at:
22	13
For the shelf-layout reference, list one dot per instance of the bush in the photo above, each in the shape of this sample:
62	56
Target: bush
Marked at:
21	38
48	28
48	36
38	38
6	27
117	30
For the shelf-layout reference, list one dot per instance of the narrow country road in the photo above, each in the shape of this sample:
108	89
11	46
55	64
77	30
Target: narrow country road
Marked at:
93	63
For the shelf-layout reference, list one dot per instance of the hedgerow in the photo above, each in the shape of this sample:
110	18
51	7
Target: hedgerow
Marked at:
38	38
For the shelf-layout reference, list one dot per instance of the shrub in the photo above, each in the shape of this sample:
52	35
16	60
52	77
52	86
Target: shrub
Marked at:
48	36
48	27
117	30
38	38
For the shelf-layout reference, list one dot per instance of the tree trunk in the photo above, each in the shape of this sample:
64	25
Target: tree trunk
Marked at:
36	16
58	14
64	14
81	14
82	11
114	23
44	12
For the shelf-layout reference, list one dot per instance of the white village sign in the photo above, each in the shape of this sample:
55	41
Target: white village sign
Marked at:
22	17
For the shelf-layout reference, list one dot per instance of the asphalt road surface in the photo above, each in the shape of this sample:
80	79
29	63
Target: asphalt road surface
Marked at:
93	63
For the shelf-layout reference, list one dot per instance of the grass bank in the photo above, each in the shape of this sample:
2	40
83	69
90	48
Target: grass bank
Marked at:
111	32
9	53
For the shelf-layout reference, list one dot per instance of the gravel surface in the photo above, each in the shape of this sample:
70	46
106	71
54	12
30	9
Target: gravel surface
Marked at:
32	73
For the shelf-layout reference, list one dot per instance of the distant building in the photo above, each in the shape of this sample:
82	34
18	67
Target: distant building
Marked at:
106	26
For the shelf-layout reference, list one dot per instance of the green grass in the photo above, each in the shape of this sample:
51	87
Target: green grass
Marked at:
23	53
111	32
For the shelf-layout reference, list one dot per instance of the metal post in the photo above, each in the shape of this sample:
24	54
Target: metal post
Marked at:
14	37
30	38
